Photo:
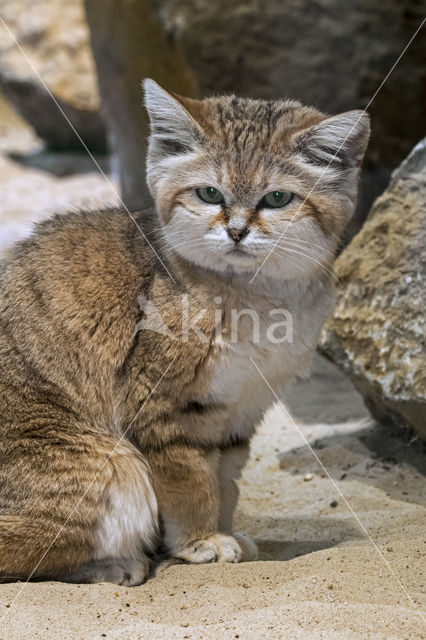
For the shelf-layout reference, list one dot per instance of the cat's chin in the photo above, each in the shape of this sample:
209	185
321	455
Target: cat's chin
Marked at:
235	262
224	263
246	266
240	259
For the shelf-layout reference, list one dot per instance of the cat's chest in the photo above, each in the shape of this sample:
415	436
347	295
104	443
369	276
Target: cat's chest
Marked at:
232	366
259	337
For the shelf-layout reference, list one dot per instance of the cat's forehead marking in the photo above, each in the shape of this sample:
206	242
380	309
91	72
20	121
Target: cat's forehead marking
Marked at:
262	117
247	138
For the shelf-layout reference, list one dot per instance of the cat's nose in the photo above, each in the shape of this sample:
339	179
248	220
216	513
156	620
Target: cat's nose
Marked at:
237	233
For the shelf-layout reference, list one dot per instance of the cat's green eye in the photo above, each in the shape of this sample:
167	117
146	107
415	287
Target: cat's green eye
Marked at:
211	195
276	199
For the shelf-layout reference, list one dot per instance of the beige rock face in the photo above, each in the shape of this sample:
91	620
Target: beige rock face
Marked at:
54	36
378	331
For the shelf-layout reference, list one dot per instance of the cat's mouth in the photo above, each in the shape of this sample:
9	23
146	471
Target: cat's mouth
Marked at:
240	258
238	251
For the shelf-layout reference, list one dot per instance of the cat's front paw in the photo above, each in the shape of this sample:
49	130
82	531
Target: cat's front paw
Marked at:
218	547
247	545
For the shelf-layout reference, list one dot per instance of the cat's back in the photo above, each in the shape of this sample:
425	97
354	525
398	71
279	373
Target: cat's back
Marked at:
69	299
77	245
89	259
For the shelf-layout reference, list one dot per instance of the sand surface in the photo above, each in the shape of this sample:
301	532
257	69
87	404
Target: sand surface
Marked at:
340	523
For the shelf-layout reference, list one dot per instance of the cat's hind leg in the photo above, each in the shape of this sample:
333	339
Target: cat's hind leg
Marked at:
124	571
77	507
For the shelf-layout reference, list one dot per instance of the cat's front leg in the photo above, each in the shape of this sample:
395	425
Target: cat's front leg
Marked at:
232	460
186	482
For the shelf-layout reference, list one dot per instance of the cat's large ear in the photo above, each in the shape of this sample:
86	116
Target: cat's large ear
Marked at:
173	129
336	142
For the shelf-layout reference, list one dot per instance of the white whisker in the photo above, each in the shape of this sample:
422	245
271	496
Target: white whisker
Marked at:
325	268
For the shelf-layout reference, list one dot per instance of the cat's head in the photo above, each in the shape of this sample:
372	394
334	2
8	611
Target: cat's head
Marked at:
242	184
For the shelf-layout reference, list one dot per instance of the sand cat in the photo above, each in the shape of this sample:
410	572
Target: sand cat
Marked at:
131	345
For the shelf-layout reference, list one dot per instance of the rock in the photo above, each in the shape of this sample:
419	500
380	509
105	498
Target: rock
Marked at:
129	44
377	333
54	36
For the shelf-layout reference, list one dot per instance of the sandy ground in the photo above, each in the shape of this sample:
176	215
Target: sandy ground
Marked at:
340	523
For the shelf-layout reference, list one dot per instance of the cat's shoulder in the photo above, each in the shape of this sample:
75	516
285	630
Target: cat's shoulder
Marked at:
97	251
92	234
85	227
